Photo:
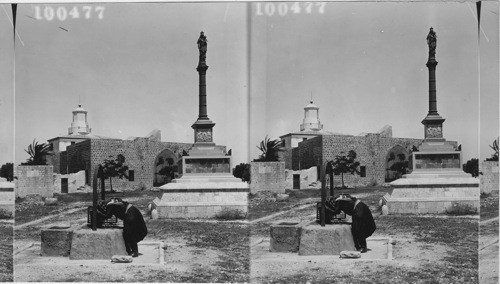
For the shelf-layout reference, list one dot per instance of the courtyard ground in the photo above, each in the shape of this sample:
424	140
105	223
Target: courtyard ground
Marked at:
6	250
192	251
425	249
488	239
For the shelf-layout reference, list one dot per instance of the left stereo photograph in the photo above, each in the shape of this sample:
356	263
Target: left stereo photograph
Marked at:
129	119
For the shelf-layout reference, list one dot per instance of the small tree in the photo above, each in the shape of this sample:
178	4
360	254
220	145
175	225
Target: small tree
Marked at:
472	167
7	171
169	170
270	149
494	146
400	164
114	168
38	154
343	164
242	171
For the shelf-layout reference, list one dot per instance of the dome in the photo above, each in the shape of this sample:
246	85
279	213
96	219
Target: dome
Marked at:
79	109
311	106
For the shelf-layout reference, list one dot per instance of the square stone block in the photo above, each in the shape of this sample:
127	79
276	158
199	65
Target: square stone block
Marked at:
56	242
328	240
100	244
285	237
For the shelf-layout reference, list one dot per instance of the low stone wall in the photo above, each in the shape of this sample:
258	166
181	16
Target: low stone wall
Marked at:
328	240
100	244
488	180
200	203
75	181
33	180
285	237
267	176
7	197
308	178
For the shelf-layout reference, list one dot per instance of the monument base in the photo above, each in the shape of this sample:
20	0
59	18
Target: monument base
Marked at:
100	244
202	196
433	192
328	240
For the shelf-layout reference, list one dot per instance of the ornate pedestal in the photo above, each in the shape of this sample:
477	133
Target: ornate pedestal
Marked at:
206	188
437	184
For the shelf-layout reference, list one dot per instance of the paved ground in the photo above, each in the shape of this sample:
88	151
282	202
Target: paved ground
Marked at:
171	261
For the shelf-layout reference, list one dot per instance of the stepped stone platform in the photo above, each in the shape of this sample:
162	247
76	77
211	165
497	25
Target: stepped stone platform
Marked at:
100	244
56	242
285	237
436	192
82	243
202	196
328	240
309	238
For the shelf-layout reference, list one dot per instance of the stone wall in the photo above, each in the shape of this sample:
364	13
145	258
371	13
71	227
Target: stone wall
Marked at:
55	161
371	149
269	176
33	180
140	155
286	156
309	154
489	177
77	157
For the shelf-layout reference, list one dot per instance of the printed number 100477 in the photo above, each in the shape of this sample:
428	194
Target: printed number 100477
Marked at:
284	8
50	13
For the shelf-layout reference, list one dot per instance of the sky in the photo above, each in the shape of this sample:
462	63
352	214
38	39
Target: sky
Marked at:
364	65
134	71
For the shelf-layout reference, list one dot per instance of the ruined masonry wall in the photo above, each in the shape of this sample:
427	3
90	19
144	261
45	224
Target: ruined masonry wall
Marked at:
371	151
140	155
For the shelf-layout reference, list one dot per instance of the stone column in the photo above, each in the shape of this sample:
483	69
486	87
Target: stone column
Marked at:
431	65
202	71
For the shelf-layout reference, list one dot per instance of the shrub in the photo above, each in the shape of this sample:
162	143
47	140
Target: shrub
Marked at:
7	171
485	194
242	171
227	214
461	209
4	214
472	167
